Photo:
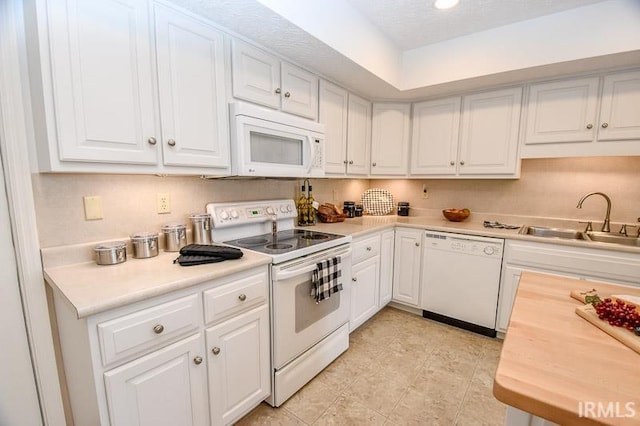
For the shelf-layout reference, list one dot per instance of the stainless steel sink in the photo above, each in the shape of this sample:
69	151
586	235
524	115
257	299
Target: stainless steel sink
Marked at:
606	237
541	231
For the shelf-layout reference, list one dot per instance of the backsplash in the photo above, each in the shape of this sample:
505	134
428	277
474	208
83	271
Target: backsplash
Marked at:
547	188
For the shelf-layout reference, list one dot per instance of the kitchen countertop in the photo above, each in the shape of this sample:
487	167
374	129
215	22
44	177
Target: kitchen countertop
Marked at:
91	288
552	360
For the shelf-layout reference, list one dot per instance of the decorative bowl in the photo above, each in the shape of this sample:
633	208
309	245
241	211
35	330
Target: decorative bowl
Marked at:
456	215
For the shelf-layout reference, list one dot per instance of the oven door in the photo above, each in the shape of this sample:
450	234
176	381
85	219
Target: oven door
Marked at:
298	321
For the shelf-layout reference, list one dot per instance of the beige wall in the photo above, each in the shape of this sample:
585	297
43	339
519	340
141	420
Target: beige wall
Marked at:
547	188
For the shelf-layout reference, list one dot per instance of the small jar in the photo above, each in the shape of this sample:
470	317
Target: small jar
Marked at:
145	245
201	228
349	208
111	253
403	208
358	210
175	236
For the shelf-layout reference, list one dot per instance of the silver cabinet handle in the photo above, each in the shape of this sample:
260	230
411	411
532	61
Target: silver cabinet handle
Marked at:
369	248
197	360
152	141
452	163
354	279
242	297
605	125
215	350
278	91
417	244
462	163
374	164
589	126
287	94
350	161
171	142
158	329
345	161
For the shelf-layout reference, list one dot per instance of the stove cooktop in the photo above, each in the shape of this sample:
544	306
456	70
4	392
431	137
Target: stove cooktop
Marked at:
283	241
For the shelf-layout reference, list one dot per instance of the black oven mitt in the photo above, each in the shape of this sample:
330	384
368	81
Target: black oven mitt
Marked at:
190	260
224	252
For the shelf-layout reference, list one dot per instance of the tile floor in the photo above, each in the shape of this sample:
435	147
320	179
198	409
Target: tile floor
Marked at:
400	369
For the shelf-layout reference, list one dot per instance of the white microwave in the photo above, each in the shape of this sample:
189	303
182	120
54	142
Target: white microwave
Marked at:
271	143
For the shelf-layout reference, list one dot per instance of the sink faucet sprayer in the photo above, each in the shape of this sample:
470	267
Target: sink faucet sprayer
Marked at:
607	217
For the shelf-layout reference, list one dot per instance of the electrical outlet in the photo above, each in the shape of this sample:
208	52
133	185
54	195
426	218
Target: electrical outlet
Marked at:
164	203
425	192
92	207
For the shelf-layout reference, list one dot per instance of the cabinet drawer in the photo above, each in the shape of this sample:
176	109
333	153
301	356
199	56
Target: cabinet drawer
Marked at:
366	248
147	329
235	297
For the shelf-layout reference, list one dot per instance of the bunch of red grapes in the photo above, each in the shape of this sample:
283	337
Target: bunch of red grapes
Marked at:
619	313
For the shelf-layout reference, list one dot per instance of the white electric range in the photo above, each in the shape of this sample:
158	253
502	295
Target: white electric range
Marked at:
305	336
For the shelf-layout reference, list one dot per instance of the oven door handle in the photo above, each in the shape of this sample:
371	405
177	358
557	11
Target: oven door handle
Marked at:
280	275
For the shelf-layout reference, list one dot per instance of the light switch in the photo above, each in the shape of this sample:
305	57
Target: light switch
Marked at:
93	207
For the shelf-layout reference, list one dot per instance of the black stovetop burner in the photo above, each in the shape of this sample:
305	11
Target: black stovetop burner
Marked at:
283	241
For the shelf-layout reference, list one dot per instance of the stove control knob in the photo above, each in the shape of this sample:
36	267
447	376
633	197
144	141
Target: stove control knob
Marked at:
289	208
270	210
224	215
489	250
283	209
234	214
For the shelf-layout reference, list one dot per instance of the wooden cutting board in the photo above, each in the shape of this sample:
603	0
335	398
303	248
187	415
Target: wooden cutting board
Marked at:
588	312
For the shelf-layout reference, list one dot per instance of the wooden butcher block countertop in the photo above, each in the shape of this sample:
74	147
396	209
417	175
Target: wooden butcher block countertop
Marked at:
553	361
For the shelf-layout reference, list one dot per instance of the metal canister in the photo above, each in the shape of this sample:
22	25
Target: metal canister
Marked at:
145	245
349	208
175	236
111	253
358	210
201	228
403	208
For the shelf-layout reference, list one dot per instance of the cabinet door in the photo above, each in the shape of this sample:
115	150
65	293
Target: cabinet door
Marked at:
299	91
407	266
364	291
239	365
619	116
102	80
508	287
333	114
255	75
193	105
386	267
358	135
562	111
390	139
489	139
434	148
167	387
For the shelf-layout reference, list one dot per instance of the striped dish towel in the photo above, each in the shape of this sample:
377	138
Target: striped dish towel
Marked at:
325	279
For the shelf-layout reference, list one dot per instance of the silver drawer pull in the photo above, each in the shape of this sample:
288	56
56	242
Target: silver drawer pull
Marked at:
158	329
354	279
171	142
242	297
152	141
417	244
215	350
197	360
369	248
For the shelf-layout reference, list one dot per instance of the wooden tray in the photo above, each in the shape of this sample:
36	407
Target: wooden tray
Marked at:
588	312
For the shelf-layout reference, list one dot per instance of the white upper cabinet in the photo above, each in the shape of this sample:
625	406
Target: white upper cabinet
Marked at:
481	141
562	111
94	90
489	133
358	135
390	138
434	148
620	107
192	91
101	81
333	114
261	78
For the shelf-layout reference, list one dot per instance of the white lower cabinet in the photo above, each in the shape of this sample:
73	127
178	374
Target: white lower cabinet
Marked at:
167	387
590	264
407	266
239	366
386	266
167	367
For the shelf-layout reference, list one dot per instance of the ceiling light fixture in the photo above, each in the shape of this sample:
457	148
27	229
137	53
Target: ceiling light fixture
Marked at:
445	4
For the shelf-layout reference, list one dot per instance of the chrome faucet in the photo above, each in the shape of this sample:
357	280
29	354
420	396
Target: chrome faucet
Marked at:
607	218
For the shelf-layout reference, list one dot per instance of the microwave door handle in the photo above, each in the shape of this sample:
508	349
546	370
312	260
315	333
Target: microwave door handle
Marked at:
312	157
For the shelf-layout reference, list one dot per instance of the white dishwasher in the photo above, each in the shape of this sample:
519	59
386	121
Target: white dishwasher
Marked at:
461	279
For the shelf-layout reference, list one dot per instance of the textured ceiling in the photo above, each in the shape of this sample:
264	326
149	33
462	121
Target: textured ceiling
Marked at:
415	23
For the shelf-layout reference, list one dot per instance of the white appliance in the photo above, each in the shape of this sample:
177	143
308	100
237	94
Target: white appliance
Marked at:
461	279
266	142
305	336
